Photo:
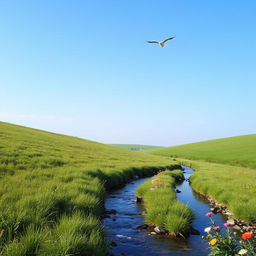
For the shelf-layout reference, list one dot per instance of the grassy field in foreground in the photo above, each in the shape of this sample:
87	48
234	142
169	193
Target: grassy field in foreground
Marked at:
232	186
161	205
240	151
52	190
135	147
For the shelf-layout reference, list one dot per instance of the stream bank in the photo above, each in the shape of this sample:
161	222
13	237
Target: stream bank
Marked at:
127	240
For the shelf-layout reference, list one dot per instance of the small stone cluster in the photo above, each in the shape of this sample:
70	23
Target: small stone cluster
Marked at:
239	225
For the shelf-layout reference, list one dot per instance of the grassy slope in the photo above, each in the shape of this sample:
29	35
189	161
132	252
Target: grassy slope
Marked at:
232	186
135	147
240	150
51	190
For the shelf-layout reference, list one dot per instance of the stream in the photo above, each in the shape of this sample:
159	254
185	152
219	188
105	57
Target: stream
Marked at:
121	227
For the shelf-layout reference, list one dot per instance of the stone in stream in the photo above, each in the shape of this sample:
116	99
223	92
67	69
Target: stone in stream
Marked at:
236	227
178	191
215	210
231	222
138	199
160	231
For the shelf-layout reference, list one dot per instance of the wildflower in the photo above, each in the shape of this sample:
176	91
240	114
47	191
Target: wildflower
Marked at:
217	228
213	241
242	252
208	230
247	235
209	214
226	224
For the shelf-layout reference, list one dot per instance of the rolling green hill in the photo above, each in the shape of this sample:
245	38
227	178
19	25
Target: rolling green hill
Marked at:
52	189
135	147
239	150
222	171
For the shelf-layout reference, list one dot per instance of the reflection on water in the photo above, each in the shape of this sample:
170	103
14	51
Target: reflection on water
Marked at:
122	226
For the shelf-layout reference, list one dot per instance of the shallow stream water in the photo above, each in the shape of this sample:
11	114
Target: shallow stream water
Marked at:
121	227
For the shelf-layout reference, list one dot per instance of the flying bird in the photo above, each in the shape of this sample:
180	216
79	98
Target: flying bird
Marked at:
161	43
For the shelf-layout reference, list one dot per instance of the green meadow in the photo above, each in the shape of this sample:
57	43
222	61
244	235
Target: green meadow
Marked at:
239	150
232	186
52	190
162	208
225	171
135	147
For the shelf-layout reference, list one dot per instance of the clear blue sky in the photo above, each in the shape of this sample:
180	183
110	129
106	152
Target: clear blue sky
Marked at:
84	68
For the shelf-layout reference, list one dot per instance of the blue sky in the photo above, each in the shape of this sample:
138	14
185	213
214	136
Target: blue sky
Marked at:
84	68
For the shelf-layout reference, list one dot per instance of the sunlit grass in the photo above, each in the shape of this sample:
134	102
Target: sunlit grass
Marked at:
161	205
52	190
237	151
232	186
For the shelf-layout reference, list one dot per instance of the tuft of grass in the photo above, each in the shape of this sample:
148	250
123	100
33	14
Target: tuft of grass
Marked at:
161	205
176	224
29	244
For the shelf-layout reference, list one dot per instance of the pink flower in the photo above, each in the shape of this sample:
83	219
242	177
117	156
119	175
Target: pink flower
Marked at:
217	228
209	214
226	224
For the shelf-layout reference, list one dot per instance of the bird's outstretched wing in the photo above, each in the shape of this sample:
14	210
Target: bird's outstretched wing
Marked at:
153	42
167	39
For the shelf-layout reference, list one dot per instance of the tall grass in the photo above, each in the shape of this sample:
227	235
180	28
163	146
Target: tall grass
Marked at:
52	190
232	186
161	205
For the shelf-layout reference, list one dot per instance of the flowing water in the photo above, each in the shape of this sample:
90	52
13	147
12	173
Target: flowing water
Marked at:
121	227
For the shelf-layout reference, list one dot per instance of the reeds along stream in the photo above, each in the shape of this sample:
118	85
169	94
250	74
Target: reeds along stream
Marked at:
125	237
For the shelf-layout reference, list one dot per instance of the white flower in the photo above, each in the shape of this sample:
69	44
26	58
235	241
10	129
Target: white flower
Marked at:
208	230
242	252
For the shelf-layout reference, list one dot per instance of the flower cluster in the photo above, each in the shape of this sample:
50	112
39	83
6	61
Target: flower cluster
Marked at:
227	242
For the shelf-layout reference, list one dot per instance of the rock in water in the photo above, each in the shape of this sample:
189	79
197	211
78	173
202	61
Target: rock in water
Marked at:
231	222
139	199
159	230
236	227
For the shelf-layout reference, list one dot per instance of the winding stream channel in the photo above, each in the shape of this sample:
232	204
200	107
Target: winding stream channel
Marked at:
121	227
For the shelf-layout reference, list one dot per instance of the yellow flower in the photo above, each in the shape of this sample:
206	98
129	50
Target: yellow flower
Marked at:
213	241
